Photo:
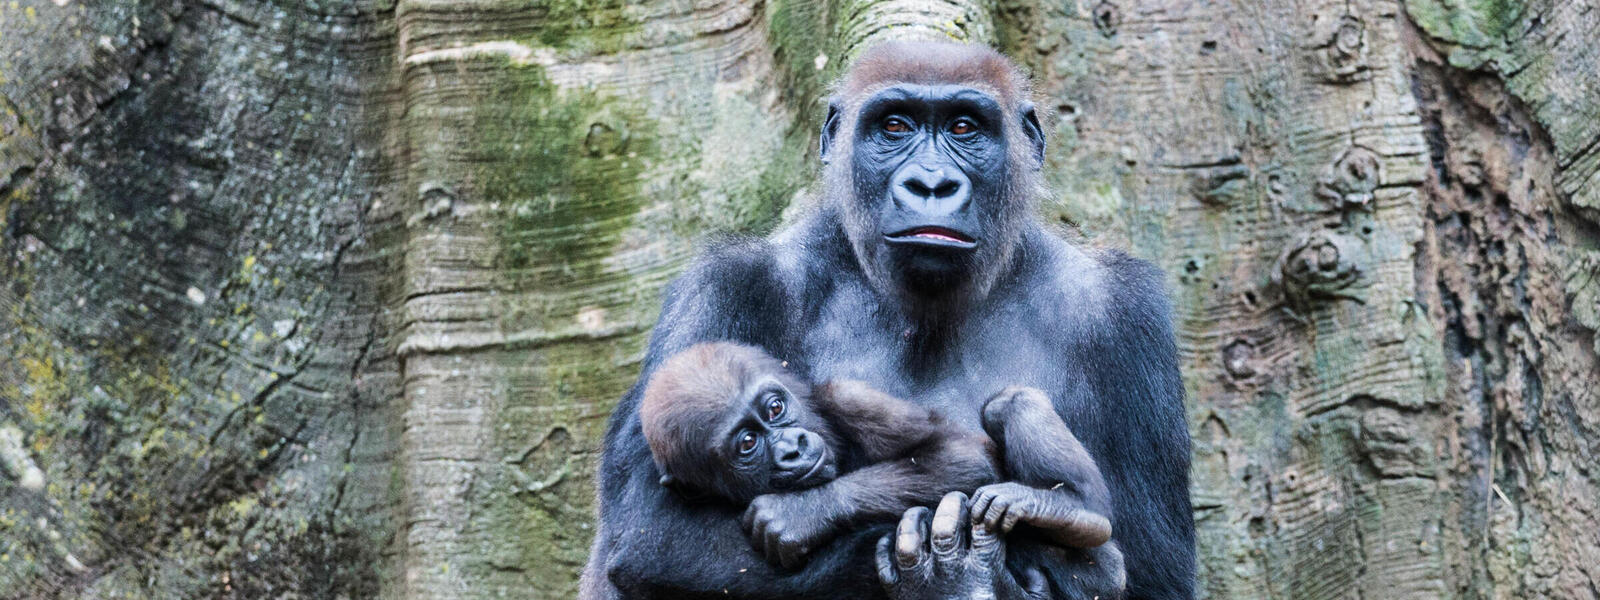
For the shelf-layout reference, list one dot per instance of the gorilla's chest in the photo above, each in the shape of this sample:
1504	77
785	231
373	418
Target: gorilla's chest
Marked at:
954	374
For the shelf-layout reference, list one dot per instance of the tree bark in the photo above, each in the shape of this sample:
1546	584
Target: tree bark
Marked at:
333	299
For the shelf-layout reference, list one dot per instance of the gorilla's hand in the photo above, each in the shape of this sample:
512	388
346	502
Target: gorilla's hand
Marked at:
786	527
949	564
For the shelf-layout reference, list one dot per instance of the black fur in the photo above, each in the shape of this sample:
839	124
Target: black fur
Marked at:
1090	329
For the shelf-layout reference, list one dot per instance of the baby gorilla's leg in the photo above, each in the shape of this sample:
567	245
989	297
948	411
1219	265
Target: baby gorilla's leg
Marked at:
1055	486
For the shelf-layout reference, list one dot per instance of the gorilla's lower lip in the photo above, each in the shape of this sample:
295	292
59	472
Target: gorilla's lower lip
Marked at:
933	236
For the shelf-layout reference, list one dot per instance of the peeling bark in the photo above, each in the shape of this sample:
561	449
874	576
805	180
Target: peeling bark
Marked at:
328	299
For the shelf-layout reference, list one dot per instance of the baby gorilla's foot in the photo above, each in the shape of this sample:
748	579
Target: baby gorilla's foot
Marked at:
1002	506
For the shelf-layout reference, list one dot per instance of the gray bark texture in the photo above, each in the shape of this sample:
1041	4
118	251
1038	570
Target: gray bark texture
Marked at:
332	298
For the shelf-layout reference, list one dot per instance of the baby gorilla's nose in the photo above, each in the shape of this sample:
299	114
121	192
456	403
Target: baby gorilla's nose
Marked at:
793	450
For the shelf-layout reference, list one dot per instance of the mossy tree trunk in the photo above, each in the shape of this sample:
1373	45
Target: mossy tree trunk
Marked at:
320	299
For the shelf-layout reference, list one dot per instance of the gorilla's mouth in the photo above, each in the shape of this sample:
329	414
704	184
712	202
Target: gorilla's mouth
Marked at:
820	472
940	237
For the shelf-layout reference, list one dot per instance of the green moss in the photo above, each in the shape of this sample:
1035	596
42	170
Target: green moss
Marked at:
783	176
1496	17
801	32
744	172
585	26
1477	24
564	167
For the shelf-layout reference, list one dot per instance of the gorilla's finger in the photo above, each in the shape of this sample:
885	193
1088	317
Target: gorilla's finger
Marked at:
886	571
748	521
772	550
910	537
1013	514
950	523
980	503
986	544
789	555
1094	528
758	536
996	512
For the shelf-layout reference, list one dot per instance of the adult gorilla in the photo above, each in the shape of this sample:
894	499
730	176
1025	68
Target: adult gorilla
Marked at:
923	274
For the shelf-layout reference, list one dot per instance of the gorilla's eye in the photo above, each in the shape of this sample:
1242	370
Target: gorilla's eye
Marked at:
774	407
963	127
896	125
747	442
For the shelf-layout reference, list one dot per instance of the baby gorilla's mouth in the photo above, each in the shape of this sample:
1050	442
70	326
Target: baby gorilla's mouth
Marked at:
820	472
822	461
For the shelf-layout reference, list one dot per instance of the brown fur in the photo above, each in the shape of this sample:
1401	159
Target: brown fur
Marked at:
694	386
933	63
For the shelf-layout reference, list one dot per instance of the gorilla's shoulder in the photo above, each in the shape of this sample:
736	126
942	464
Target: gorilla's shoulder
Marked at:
734	290
1131	275
1099	283
731	256
1139	308
729	267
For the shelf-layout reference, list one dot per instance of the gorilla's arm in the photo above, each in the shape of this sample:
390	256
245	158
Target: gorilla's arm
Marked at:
1141	437
652	544
886	428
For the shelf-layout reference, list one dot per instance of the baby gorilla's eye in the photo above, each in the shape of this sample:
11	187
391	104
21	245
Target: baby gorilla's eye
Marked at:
896	125
747	442
774	407
963	127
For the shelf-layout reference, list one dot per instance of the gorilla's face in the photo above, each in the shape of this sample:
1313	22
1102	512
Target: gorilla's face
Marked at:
769	440
932	207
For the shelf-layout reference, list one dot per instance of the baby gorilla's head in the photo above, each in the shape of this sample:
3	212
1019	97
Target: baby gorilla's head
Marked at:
729	420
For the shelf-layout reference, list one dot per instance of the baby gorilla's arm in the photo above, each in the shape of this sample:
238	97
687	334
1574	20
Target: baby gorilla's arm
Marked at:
1056	487
914	458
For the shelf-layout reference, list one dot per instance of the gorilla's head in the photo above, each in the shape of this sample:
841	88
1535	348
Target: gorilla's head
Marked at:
728	420
932	154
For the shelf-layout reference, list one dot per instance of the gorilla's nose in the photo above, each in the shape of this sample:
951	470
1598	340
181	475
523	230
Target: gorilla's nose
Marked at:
935	192
793	450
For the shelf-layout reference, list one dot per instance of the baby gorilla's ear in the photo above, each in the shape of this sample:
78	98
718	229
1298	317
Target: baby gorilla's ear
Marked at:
684	491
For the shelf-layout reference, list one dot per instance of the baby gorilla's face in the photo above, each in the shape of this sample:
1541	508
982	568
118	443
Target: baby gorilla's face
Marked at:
771	441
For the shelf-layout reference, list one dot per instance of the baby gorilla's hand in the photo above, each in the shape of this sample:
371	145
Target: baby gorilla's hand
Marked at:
784	528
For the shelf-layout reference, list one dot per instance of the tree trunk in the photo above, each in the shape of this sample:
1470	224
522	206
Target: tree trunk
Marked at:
333	299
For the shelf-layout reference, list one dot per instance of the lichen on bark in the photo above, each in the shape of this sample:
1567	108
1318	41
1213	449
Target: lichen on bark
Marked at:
334	298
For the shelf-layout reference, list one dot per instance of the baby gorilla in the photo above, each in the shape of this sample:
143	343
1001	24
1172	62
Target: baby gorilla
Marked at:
730	421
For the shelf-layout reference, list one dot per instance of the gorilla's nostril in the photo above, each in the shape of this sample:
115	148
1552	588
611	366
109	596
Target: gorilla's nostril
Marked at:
946	188
916	186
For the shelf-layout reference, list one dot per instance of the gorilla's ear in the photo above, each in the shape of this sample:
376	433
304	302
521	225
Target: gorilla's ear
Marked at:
830	128
683	491
1035	133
